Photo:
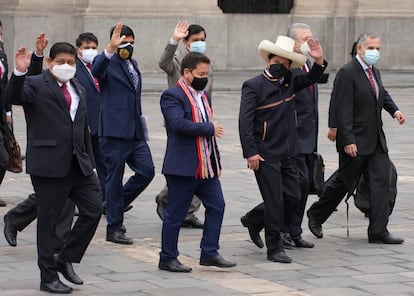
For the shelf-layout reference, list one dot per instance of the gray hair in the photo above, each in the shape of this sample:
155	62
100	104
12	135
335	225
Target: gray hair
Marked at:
363	37
294	28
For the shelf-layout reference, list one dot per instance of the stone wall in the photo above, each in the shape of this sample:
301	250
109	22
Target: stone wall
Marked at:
232	39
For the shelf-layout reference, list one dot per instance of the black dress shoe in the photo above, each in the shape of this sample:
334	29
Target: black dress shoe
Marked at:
193	223
315	227
2	203
217	261
287	240
160	207
119	238
279	256
386	239
253	232
301	243
66	269
56	287
123	229
174	266
9	232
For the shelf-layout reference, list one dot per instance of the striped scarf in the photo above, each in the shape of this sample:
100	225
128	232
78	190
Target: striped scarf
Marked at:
206	168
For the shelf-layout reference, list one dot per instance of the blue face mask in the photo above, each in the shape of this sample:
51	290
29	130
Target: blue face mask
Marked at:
371	56
198	46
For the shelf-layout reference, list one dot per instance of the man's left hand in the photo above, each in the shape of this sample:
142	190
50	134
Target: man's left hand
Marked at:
400	117
315	50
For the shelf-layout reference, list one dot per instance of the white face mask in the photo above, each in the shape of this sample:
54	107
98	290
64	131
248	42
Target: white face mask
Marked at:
304	48
64	72
88	55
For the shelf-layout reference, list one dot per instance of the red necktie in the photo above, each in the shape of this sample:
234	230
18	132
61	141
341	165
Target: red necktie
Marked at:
66	93
94	78
371	80
1	70
305	70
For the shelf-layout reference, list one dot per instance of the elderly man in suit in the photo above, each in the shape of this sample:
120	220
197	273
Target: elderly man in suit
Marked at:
358	98
194	40
121	129
59	159
191	164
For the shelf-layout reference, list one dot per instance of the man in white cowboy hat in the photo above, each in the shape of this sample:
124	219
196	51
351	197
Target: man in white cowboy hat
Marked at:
268	133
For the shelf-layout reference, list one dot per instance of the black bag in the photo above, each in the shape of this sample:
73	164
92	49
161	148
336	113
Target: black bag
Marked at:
362	195
318	175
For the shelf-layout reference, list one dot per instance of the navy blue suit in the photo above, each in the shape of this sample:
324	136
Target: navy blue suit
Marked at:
93	105
121	136
180	166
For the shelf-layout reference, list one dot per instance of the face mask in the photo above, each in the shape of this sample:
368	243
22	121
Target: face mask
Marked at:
304	48
64	72
88	55
198	46
199	83
371	56
125	51
278	70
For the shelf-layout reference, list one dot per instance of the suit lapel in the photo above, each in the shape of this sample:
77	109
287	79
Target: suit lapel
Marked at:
364	77
55	90
82	98
85	72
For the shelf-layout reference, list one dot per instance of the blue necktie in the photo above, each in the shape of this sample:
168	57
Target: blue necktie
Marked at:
133	74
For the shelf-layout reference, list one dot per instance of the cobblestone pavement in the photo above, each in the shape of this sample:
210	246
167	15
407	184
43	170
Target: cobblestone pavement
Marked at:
338	265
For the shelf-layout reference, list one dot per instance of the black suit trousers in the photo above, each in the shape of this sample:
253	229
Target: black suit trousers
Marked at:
279	187
51	194
376	169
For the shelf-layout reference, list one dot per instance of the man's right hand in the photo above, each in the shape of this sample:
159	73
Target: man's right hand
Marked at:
116	39
253	162
23	59
218	130
180	31
332	134
41	43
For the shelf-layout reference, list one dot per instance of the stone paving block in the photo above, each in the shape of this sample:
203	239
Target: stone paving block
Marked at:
387	289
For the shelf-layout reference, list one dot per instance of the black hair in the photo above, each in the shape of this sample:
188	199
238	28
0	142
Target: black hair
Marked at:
86	37
271	56
354	52
195	29
127	31
192	59
62	47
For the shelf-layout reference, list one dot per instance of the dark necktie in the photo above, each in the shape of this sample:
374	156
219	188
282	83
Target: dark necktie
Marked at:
66	93
133	73
94	78
305	70
371	80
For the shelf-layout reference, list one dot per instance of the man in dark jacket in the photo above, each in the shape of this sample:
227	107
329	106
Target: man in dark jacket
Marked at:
269	136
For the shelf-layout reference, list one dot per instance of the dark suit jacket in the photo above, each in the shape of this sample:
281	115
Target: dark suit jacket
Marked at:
306	104
358	111
267	117
121	103
181	154
52	138
93	99
4	104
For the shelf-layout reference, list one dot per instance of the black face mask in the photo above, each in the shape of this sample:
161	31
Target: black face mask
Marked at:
125	51
278	70
199	83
